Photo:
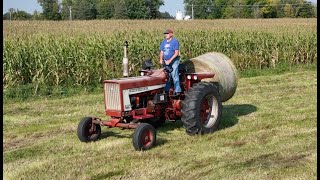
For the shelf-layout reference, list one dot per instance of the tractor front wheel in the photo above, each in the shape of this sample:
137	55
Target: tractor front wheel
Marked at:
144	137
87	131
201	109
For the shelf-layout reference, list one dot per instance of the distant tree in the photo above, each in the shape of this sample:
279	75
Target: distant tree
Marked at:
65	9
246	10
279	8
6	16
233	9
137	9
269	9
305	10
213	9
165	15
238	8
208	9
120	9
230	12
22	15
257	13
105	9
219	7
288	10
16	15
84	9
201	8
153	8
51	9
37	15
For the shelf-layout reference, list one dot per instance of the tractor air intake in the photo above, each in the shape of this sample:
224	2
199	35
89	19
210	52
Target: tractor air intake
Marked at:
111	96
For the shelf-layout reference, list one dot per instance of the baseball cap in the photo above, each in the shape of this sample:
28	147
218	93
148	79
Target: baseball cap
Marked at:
168	31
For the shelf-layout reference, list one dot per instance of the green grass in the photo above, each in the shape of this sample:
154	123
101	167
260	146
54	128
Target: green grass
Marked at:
268	131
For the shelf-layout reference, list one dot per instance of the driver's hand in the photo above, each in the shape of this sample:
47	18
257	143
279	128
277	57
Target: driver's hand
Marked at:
167	62
161	61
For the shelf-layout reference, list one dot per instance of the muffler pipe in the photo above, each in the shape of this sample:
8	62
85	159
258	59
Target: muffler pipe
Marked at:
125	62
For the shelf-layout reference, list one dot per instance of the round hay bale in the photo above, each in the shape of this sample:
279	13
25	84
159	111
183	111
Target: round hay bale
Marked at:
226	74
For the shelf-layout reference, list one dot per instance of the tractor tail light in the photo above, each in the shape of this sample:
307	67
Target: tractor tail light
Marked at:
195	77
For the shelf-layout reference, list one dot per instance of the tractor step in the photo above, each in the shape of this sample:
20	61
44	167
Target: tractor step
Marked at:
146	116
141	114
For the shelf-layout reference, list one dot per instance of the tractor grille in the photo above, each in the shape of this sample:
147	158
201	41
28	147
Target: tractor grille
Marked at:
112	96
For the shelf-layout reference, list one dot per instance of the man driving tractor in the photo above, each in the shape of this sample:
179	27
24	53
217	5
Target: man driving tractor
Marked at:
170	56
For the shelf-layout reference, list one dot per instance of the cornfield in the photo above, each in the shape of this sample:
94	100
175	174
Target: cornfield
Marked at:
70	53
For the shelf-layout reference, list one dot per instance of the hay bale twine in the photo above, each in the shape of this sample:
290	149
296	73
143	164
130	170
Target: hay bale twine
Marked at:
225	72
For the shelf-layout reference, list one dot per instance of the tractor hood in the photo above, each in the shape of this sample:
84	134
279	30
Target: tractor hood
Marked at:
156	77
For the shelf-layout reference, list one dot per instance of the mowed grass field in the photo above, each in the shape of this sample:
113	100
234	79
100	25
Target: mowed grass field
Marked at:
268	131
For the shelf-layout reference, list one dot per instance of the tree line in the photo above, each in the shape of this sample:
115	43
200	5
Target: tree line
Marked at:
93	9
216	9
149	9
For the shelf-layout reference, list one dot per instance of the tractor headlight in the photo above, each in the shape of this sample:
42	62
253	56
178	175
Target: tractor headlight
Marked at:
189	77
195	77
142	73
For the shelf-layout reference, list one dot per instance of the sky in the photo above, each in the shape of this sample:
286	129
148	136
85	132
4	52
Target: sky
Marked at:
170	6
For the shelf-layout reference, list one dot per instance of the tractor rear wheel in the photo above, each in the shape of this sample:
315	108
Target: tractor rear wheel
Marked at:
144	137
201	109
88	131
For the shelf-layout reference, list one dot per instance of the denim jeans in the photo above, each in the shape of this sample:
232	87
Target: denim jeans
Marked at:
174	75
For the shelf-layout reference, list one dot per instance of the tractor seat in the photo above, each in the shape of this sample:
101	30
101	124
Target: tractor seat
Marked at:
158	73
182	68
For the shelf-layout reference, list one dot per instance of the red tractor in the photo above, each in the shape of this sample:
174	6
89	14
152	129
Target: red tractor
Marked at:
140	103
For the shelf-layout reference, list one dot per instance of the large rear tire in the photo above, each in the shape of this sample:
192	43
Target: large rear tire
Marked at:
201	109
86	132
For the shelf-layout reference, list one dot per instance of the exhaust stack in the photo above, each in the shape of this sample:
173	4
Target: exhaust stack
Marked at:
125	61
